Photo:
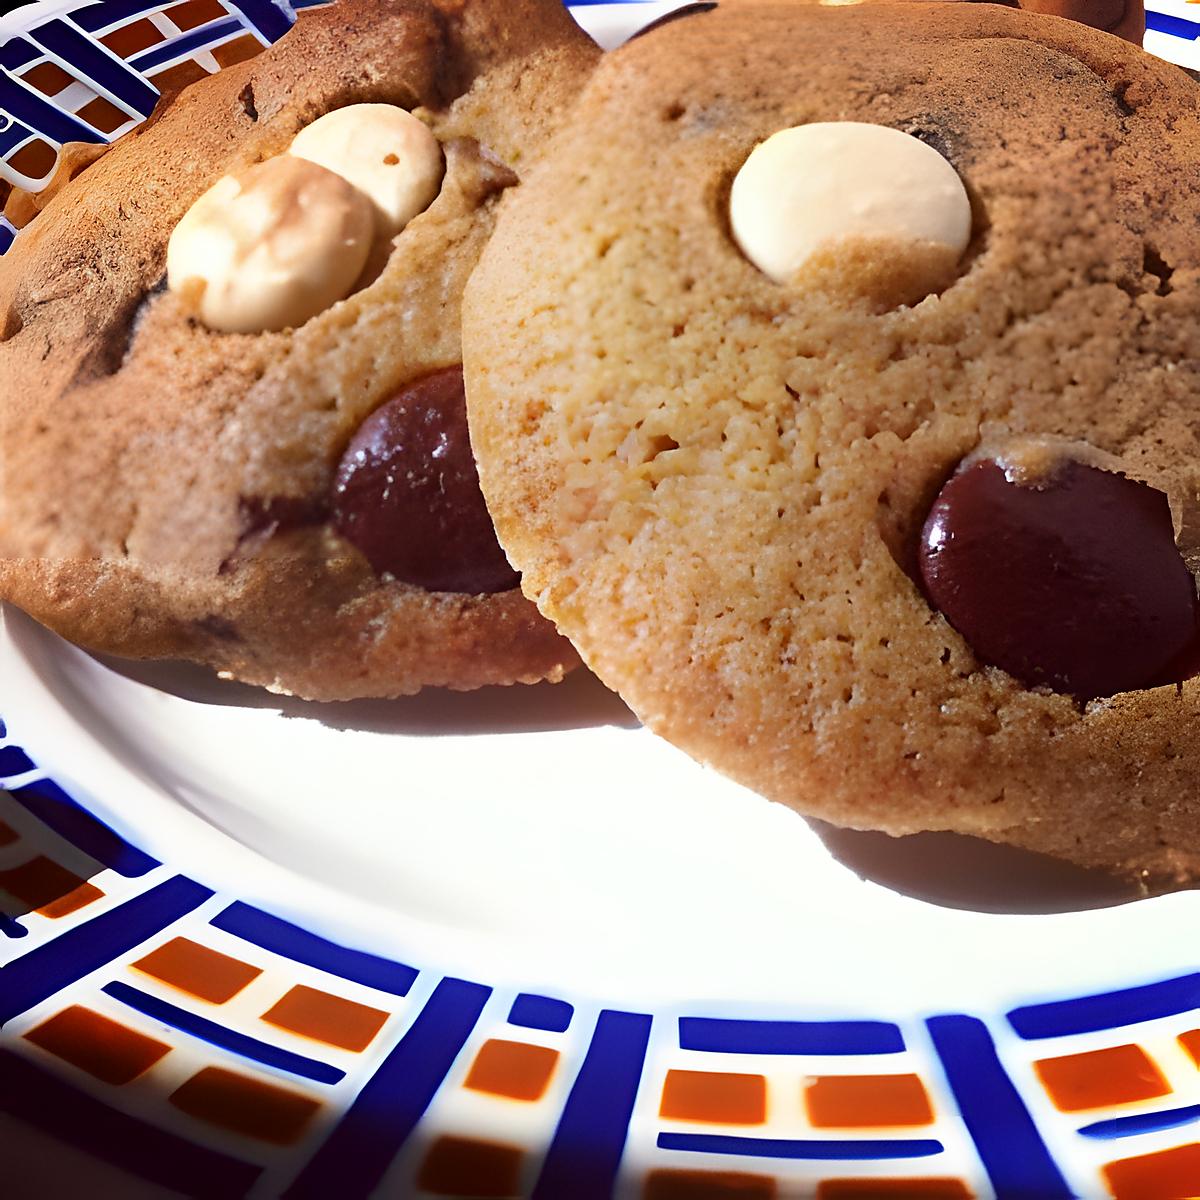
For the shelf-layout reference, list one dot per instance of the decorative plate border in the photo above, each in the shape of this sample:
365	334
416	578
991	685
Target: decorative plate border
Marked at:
87	73
208	1046
211	1047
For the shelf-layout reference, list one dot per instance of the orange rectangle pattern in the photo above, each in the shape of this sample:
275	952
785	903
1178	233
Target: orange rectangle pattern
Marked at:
716	1097
325	1018
867	1101
197	970
894	1189
49	78
674	1184
102	115
133	39
515	1070
48	887
194	13
1167	1175
246	1106
458	1166
1101	1078
105	1049
34	160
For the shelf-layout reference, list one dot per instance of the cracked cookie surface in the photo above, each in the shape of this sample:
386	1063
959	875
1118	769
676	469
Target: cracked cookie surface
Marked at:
715	484
166	490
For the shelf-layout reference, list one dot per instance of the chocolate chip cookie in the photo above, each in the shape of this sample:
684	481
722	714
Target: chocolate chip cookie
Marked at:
890	518
267	469
1125	18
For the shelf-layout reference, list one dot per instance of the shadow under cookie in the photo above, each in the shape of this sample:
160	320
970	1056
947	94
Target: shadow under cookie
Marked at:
581	701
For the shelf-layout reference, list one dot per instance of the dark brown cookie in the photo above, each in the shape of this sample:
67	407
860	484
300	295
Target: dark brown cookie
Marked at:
170	491
1125	18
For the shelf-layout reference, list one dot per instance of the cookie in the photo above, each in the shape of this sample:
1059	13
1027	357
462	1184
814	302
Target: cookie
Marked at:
202	466
1125	18
867	528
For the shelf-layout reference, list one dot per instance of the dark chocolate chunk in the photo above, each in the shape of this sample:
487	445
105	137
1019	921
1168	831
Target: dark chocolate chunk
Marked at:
407	493
1073	582
264	516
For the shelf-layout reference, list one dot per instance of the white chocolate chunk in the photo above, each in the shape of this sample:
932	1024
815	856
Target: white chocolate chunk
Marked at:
385	152
270	247
810	187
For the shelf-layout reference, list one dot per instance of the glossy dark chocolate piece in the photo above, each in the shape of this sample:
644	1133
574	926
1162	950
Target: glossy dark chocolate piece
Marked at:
1075	582
407	493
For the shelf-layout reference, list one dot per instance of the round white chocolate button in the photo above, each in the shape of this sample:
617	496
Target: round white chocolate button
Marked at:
385	152
271	247
812	186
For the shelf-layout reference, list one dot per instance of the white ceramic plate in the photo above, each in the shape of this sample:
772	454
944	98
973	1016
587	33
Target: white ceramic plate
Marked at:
508	943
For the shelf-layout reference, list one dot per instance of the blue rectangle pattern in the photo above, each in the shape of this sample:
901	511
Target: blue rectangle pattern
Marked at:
387	1110
585	1155
267	18
16	52
1006	1136
104	70
541	1012
1143	1122
45	971
290	941
187	43
1108	1010
111	12
219	1035
719	1036
14	761
46	801
839	1150
1178	27
39	115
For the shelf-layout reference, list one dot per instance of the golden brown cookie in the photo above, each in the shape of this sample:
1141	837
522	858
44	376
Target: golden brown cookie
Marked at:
734	494
173	491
